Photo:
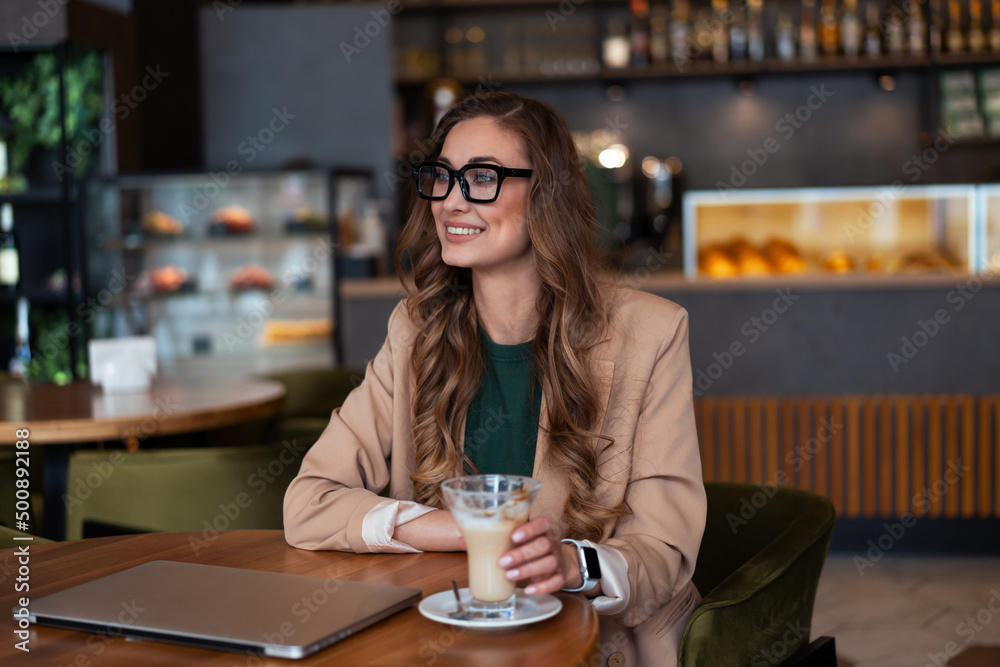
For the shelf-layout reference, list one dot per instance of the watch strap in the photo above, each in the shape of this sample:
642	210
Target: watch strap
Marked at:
590	581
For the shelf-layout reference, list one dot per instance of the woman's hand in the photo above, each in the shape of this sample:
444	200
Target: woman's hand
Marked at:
542	558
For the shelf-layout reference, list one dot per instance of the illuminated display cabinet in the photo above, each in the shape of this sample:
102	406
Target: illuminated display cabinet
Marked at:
871	232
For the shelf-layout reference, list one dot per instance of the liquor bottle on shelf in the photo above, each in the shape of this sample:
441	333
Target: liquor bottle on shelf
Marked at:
704	38
680	31
639	33
659	45
720	35
995	26
18	364
10	263
977	38
916	30
850	29
829	30
808	47
955	39
616	49
873	35
935	29
895	31
737	34
784	37
755	31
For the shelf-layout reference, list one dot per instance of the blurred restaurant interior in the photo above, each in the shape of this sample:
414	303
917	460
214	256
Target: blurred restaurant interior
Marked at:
223	183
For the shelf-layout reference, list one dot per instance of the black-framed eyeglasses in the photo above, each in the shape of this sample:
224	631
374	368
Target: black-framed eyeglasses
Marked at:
480	183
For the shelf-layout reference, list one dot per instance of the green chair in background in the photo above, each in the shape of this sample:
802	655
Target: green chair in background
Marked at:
7	540
758	569
311	395
196	489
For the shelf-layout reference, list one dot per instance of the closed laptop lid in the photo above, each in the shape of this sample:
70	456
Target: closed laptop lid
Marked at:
277	614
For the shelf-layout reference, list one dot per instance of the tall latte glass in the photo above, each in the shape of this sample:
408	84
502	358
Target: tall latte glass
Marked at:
487	509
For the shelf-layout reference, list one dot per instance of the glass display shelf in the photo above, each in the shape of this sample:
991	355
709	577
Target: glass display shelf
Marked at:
871	232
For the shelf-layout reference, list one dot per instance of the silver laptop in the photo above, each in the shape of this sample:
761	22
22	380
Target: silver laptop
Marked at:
269	613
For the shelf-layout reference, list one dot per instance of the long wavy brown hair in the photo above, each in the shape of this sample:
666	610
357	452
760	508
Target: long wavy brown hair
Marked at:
447	359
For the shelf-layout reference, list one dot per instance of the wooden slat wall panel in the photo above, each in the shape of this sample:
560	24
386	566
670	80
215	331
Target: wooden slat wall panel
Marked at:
918	443
869	508
837	482
740	439
996	456
874	456
951	435
968	452
758	461
935	453
885	460
853	483
902	475
983	467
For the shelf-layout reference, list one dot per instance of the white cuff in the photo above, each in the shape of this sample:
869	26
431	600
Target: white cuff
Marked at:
615	592
380	522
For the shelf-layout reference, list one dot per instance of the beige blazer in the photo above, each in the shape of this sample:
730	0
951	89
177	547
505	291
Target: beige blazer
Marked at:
654	465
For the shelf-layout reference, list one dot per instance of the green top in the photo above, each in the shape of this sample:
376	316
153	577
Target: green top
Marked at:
501	426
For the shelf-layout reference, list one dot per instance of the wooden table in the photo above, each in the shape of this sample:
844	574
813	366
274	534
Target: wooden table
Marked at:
57	417
404	640
80	412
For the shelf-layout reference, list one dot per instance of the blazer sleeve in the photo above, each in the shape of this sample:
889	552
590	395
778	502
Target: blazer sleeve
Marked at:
343	472
666	493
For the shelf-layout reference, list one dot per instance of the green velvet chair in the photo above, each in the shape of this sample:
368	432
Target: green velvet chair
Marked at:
311	394
7	540
191	489
758	569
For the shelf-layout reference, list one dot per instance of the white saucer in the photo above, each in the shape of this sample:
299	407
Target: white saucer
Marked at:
529	609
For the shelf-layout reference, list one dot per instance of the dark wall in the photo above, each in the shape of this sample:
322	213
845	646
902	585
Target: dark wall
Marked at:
171	136
828	341
854	133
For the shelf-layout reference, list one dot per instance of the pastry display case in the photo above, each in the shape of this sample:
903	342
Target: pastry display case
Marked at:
228	272
891	230
989	206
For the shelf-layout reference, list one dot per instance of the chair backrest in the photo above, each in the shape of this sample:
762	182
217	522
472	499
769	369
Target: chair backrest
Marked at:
757	571
203	489
315	392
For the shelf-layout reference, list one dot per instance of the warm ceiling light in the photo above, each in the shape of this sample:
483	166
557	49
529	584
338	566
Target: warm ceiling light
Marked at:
887	82
613	156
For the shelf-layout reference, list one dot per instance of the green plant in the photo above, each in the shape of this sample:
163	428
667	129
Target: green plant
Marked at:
31	100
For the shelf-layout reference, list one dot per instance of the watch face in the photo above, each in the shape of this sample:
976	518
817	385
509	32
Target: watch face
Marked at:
592	562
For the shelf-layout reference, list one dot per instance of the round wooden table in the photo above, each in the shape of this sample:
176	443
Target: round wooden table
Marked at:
59	416
81	412
406	639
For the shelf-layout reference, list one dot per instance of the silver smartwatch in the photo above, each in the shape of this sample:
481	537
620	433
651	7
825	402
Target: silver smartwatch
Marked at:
590	566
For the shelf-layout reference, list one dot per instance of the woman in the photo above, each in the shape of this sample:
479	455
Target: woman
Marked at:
508	356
